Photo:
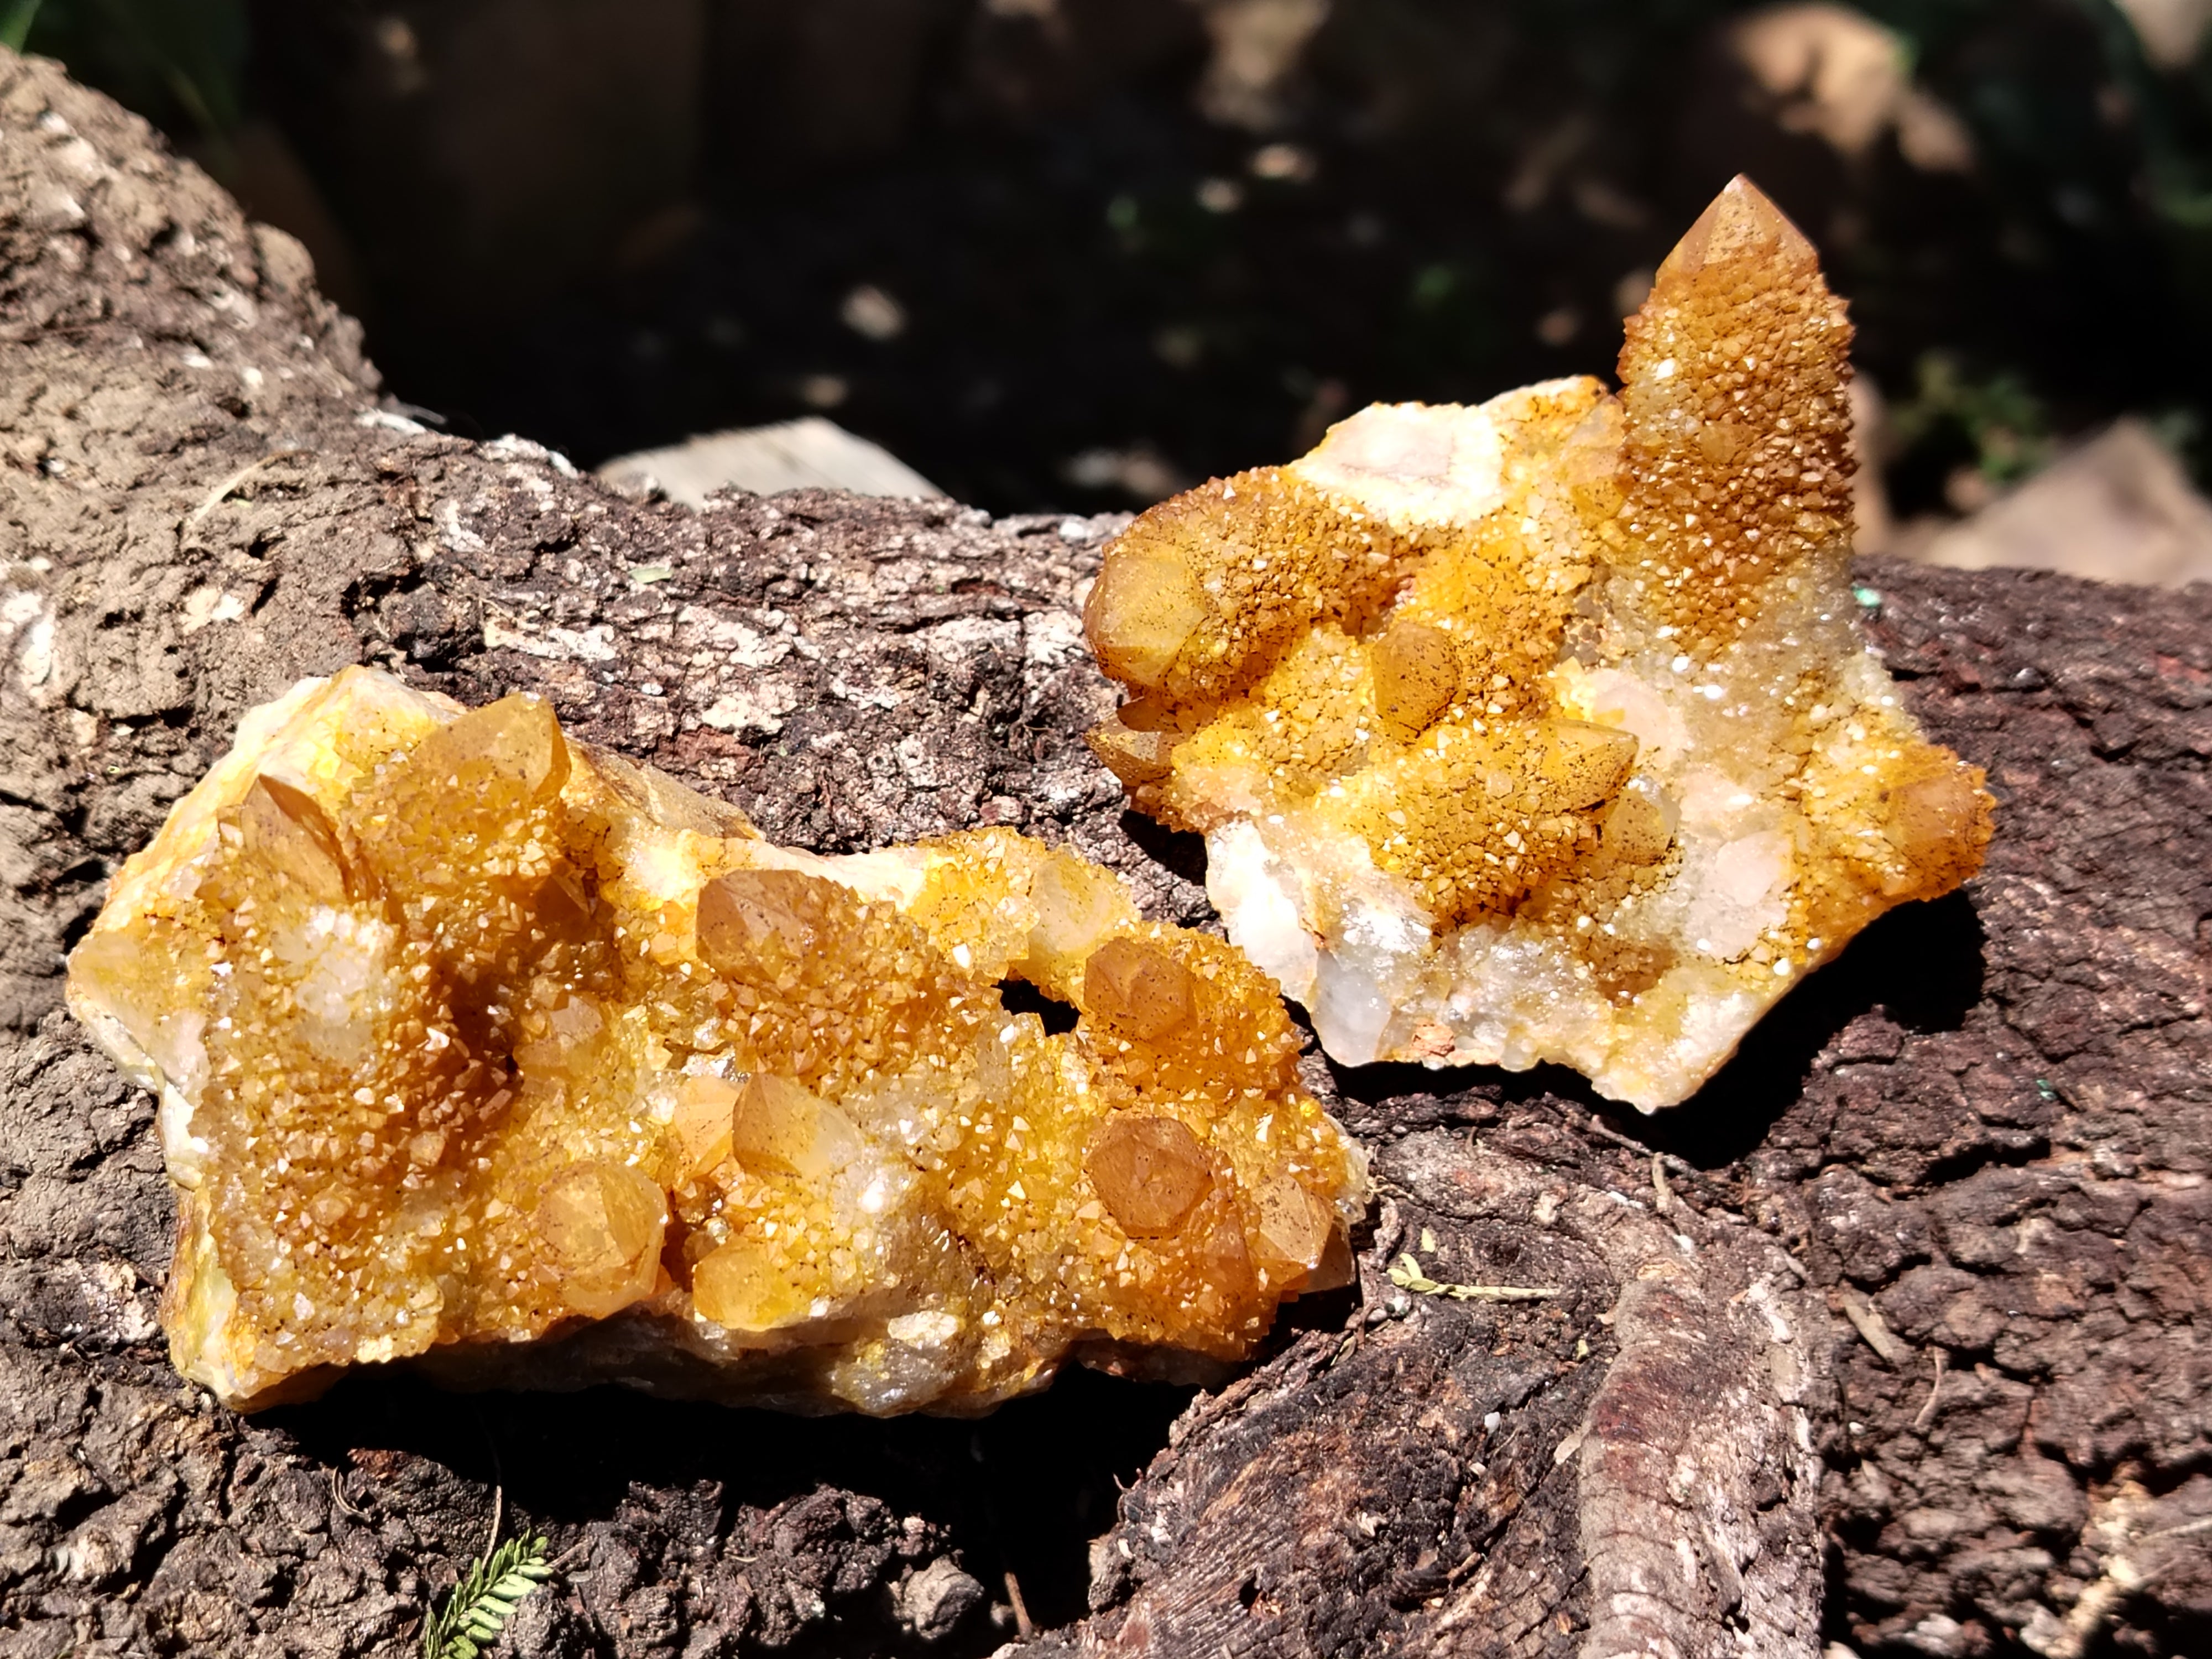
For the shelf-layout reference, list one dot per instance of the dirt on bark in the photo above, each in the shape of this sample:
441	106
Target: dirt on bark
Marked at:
1894	1336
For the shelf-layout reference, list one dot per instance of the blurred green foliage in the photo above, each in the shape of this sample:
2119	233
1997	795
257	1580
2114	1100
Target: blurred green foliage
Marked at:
1996	421
1477	182
15	20
181	64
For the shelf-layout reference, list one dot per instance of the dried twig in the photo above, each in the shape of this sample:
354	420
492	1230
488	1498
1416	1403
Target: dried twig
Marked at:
1935	1388
1604	1131
1866	1319
338	1497
1406	1273
190	524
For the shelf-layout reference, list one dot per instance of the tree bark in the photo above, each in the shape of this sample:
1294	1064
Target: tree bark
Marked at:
1894	1336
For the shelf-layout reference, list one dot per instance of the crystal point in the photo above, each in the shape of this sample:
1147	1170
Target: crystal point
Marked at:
1150	1172
493	1050
1541	731
1740	223
1138	989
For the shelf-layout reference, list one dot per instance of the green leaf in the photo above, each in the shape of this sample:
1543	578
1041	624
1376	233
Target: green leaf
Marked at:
16	17
485	1599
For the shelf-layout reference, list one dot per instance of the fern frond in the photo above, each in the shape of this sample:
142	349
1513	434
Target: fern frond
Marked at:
485	1599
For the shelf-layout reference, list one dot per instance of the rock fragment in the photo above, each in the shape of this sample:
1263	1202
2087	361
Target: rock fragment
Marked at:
1541	731
490	1050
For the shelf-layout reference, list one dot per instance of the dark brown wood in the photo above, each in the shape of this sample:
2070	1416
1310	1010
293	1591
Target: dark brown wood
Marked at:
1895	1336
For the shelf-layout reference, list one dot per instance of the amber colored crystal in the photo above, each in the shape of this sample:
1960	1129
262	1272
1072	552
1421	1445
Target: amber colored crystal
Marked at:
490	1049
1150	1172
1137	990
1541	730
602	1225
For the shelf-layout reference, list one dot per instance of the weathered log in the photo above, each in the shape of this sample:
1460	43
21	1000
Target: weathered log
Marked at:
1895	1335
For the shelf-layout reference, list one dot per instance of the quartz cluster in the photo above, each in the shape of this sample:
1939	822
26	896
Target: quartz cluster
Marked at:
1541	731
468	1035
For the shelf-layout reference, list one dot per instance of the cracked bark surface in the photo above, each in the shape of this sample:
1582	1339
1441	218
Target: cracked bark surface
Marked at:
1898	1340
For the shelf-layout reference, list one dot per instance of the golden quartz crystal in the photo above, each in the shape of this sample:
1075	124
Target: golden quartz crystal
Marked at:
468	1035
1541	730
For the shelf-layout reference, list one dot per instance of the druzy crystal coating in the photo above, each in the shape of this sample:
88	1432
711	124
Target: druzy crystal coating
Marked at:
486	1048
1542	730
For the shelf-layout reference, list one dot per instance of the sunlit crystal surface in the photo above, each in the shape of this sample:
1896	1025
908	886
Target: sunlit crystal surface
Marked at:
1541	731
468	1035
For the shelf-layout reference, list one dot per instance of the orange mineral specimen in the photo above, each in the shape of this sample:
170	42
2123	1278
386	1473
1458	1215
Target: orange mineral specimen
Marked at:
1541	731
482	1047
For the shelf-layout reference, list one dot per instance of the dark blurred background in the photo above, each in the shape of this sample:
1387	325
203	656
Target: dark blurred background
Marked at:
1076	254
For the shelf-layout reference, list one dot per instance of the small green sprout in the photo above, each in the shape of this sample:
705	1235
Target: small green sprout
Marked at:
485	1599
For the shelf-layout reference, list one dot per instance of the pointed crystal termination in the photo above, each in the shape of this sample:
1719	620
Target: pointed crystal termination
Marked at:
1736	466
1542	730
490	1050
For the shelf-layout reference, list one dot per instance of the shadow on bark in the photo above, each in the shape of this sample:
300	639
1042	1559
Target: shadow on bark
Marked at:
1021	1492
